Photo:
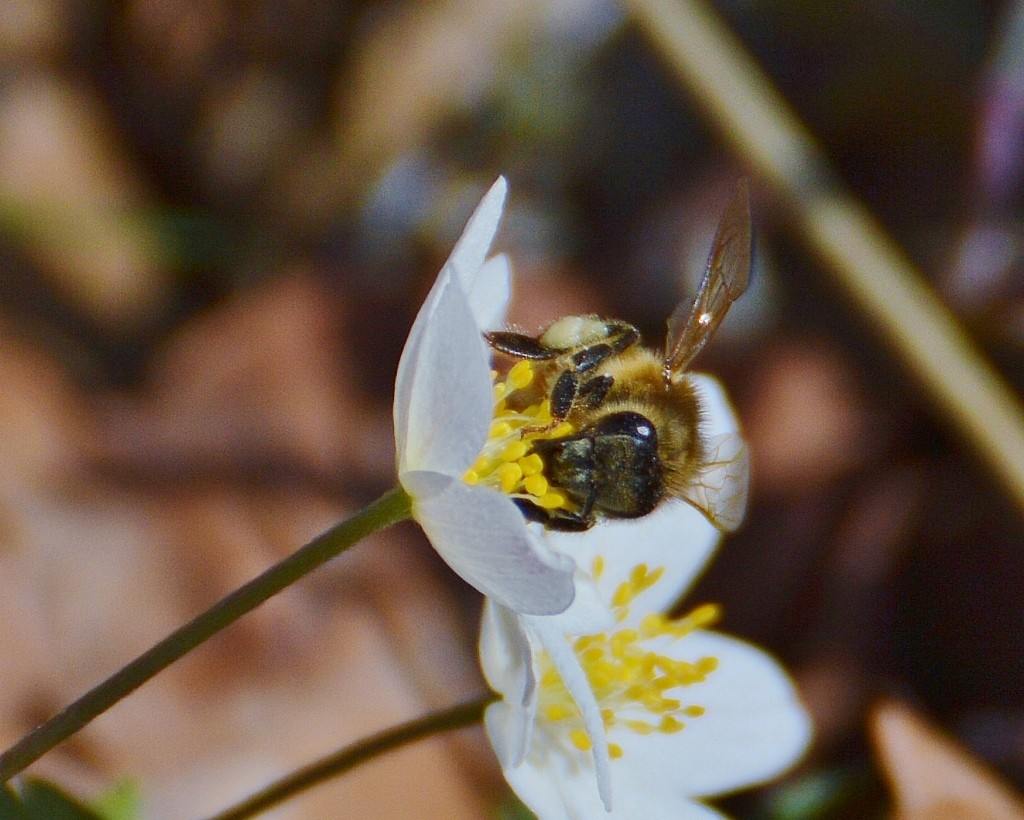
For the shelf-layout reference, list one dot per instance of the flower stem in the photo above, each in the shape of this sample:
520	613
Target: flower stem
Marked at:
359	752
390	508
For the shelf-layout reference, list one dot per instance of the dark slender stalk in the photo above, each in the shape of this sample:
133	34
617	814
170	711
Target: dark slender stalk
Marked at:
351	756
391	507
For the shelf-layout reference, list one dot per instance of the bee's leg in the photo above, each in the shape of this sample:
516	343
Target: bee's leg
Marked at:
564	393
592	393
590	357
569	522
569	392
622	336
561	520
520	346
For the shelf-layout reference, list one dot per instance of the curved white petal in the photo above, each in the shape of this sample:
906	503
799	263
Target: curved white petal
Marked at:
507	660
485	288
443	399
559	649
717	415
558	787
488	298
480	533
754	727
675	536
469	252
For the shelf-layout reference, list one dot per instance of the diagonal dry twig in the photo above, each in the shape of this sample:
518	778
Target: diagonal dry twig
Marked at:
750	112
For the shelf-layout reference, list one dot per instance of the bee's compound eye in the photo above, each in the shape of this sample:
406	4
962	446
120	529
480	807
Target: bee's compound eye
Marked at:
627	423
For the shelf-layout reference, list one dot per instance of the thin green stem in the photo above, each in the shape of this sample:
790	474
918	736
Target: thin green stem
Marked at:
351	756
391	507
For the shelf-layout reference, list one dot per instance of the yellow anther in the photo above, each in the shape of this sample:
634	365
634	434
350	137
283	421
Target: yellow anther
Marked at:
653	624
670	725
552	500
558	711
622	641
514	451
639	577
500	429
580	739
471	476
536	484
637	687
498	392
532	464
707	665
623	594
597	568
509	475
520	375
550	677
705	615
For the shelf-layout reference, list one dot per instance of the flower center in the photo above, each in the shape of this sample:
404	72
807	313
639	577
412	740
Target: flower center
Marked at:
634	682
508	462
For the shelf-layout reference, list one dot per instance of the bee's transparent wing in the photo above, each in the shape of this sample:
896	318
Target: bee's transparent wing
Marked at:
692	324
720	489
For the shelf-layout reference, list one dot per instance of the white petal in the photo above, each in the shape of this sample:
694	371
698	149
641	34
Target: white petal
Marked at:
481	534
491	291
722	485
508	660
472	248
675	536
557	787
717	416
563	658
443	403
486	290
753	729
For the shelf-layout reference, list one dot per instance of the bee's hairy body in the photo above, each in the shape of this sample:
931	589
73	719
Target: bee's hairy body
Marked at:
640	445
673	409
635	414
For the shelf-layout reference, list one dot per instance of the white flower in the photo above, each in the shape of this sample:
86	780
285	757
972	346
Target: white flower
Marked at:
648	715
442	414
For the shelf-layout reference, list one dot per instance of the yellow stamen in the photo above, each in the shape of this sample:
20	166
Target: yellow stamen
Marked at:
580	739
551	500
520	375
536	484
636	687
531	464
508	462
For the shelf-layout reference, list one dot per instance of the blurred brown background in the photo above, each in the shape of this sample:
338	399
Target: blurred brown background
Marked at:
217	220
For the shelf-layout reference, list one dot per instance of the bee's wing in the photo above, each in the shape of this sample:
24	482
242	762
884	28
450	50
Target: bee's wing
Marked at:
692	324
720	489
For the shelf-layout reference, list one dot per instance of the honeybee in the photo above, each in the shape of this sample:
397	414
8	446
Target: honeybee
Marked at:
636	412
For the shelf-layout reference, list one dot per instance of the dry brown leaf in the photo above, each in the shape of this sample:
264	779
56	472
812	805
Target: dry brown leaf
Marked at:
74	200
933	778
